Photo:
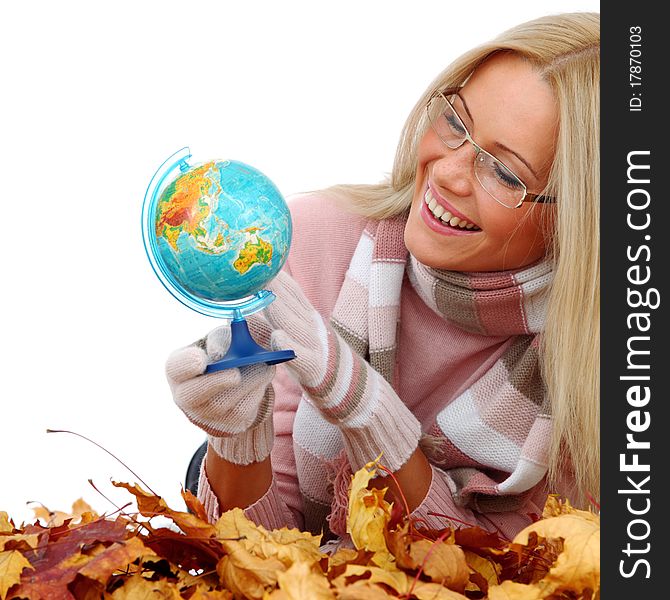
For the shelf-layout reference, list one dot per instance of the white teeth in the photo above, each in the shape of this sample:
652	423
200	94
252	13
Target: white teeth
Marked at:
444	215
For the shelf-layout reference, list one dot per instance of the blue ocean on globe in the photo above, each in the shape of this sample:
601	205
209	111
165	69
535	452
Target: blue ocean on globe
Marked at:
222	230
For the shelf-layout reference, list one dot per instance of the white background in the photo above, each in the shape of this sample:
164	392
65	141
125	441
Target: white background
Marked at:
93	98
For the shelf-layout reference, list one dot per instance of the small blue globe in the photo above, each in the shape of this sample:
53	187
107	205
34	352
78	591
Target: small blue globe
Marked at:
216	232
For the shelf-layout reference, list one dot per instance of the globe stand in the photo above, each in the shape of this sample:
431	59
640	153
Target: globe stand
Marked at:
245	351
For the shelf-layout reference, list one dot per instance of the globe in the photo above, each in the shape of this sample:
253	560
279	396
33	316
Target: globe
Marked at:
216	232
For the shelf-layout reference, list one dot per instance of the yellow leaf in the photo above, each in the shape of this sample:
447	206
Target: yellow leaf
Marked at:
368	513
555	507
511	590
5	524
397	580
577	568
287	545
12	564
139	588
434	591
81	513
363	590
485	568
246	575
30	539
300	582
443	563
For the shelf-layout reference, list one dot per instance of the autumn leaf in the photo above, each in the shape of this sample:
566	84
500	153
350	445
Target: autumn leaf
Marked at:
299	581
81	513
116	557
511	590
150	505
90	557
6	526
12	564
140	588
484	572
577	567
443	563
245	574
368	513
363	590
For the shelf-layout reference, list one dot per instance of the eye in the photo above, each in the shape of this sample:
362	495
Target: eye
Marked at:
506	177
454	124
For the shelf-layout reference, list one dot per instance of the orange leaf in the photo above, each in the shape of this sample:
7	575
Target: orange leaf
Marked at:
116	557
150	505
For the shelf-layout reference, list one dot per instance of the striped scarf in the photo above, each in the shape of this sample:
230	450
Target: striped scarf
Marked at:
493	437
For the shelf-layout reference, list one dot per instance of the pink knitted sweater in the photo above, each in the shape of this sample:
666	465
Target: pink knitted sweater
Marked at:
430	376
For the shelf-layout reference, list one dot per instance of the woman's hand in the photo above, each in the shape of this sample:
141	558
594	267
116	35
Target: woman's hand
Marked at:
345	389
234	406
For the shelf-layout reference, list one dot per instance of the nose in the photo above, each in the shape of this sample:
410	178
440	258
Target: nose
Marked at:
454	170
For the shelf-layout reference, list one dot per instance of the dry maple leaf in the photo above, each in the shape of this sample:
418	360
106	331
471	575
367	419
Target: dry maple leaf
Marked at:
577	568
6	525
12	564
138	587
511	590
299	581
368	514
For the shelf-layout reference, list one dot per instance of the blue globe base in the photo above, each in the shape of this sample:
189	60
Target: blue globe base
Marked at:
245	351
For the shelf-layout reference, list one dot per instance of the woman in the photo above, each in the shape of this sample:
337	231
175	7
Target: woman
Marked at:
447	319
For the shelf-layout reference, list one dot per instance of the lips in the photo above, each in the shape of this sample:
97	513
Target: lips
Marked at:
444	219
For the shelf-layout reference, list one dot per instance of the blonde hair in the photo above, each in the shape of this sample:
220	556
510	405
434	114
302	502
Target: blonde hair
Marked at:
565	49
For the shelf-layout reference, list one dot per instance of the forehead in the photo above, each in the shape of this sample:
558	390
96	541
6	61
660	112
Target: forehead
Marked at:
512	105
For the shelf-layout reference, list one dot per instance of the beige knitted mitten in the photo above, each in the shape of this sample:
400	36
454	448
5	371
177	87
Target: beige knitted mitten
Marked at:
233	406
342	385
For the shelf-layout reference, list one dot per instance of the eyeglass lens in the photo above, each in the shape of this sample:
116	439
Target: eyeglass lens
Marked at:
492	174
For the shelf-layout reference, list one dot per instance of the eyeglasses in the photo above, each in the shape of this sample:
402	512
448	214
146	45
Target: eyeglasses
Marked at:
495	177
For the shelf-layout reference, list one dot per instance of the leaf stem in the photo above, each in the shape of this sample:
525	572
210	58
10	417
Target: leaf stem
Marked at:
108	452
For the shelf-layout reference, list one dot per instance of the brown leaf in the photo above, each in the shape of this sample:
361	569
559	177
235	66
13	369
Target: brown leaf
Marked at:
12	564
114	558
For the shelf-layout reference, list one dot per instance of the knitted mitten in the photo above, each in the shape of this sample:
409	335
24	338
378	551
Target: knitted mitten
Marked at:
233	406
342	385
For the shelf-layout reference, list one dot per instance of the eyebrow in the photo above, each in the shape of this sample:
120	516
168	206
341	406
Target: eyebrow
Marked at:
498	144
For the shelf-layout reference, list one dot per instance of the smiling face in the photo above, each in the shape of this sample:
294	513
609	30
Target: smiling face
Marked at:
511	113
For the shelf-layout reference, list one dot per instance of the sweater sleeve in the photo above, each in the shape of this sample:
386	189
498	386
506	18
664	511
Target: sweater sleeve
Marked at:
438	510
269	510
281	505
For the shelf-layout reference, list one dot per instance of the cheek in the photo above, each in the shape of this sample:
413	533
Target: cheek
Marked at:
430	148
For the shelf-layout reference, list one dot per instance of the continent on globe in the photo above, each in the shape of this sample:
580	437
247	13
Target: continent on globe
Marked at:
184	205
256	251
